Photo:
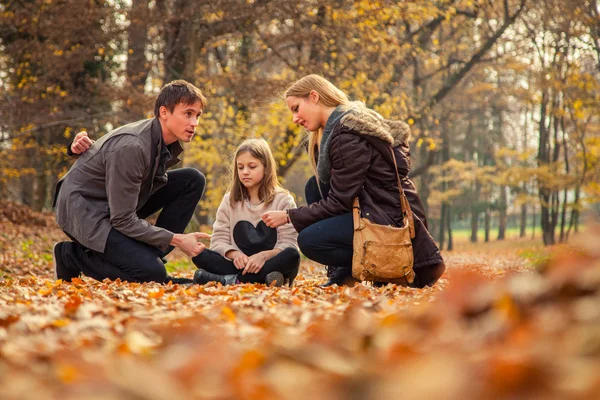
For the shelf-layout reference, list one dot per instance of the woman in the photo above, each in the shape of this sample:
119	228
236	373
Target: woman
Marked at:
352	158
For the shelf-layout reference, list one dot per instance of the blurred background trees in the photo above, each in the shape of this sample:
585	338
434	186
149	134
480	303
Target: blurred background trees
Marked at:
502	96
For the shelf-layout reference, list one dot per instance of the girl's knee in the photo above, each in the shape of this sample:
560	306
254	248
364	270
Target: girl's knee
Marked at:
294	256
201	259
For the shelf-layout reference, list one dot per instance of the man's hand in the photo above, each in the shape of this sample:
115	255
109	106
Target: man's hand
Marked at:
81	143
189	242
239	259
255	263
273	219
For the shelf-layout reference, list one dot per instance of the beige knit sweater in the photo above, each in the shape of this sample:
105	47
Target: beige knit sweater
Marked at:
232	223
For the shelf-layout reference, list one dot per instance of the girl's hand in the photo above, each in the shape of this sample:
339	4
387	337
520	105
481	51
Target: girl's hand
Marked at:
239	259
255	263
273	219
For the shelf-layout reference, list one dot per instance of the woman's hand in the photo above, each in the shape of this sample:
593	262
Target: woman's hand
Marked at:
273	219
255	263
239	259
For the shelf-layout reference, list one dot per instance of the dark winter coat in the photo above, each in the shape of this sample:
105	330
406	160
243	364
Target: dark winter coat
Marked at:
361	165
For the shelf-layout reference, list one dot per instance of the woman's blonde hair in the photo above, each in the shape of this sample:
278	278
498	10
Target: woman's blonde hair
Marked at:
329	96
269	186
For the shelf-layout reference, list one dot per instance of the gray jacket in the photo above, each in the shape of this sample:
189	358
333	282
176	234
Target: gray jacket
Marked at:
110	182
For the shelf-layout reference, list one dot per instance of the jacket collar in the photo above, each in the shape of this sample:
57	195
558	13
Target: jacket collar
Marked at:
174	148
365	121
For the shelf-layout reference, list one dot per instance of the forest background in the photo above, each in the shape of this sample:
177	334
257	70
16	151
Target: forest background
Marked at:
503	99
502	96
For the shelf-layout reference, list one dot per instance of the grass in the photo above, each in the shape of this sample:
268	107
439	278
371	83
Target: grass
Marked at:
179	263
510	233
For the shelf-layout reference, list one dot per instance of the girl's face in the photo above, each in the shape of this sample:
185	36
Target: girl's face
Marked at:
251	170
306	111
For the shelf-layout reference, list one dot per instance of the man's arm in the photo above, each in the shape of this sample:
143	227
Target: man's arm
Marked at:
126	166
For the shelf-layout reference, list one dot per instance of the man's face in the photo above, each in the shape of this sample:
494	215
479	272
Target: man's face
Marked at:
181	123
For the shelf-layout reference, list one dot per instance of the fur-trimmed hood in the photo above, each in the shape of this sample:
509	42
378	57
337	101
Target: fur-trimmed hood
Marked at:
368	122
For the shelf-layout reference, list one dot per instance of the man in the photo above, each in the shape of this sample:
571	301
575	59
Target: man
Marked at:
121	179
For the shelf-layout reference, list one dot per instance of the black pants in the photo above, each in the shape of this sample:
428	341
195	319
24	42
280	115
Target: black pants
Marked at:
287	262
132	260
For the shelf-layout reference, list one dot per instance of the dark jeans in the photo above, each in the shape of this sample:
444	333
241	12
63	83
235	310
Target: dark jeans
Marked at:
329	241
132	260
287	262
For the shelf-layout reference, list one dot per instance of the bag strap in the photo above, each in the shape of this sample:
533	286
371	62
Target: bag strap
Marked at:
405	206
406	210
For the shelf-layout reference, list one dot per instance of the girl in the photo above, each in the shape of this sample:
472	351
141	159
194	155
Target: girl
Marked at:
352	158
243	249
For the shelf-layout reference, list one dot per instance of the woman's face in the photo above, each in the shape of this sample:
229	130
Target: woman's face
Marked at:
306	111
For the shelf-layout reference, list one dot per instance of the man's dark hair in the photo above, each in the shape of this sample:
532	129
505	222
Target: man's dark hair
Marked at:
176	92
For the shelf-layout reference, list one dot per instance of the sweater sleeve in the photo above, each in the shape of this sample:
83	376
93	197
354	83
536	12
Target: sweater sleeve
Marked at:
286	234
221	235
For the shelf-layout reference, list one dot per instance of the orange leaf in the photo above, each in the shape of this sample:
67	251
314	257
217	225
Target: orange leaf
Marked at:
67	373
72	304
228	313
59	323
156	295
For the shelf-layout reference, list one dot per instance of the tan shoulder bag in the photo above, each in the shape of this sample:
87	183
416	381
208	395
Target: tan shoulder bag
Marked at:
384	253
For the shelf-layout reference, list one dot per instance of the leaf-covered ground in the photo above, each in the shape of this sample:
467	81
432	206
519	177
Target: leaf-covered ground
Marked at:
492	327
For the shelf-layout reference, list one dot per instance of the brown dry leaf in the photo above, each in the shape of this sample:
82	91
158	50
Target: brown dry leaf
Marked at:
490	328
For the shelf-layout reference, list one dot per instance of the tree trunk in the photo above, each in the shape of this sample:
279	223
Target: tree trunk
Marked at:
445	214
523	221
26	190
449	226
177	33
563	216
487	224
424	190
137	66
474	223
502	216
442	227
40	191
533	223
545	192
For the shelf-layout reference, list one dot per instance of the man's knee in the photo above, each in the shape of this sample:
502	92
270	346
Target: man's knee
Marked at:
195	178
196	183
152	272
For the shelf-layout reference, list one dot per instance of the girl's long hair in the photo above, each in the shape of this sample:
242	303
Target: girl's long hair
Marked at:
329	96
269	186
